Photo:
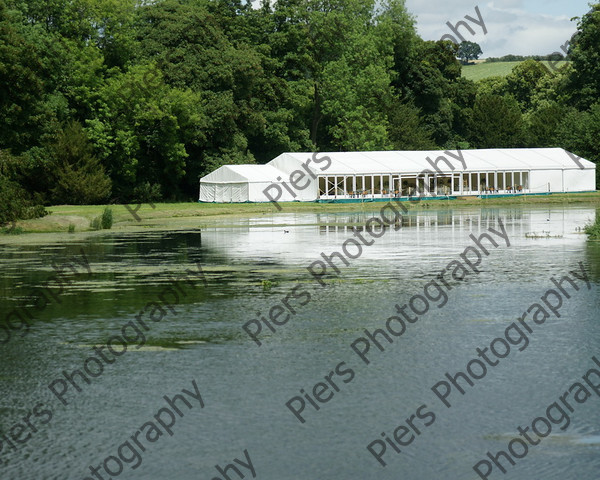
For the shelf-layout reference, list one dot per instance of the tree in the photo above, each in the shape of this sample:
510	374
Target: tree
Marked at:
579	133
340	53
15	202
206	47
496	122
462	98
543	124
406	130
468	51
428	84
522	82
23	113
146	131
584	85
77	175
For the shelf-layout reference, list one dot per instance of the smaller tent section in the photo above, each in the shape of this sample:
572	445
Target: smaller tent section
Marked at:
242	183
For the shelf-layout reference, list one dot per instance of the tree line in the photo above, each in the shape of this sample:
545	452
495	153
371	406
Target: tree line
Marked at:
130	99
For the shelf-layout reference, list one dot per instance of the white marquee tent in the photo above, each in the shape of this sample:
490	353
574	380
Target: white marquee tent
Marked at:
347	175
240	183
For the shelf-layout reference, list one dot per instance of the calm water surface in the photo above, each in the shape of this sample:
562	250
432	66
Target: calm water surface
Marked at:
252	266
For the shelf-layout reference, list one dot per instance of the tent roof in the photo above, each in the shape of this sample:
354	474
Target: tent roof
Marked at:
351	163
244	174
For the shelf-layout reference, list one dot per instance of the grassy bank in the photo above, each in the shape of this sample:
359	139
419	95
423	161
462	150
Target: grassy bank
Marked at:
195	215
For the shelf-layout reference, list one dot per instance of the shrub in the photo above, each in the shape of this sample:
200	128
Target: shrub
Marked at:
96	223
593	229
11	229
107	219
104	221
15	204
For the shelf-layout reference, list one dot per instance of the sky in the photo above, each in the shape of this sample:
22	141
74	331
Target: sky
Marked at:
519	27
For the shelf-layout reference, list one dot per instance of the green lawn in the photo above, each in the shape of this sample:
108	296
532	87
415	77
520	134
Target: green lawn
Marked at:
492	69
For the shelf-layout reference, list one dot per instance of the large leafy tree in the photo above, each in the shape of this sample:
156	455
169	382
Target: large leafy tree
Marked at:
497	122
522	82
543	124
141	128
584	85
26	103
468	51
341	53
77	175
428	83
215	50
579	133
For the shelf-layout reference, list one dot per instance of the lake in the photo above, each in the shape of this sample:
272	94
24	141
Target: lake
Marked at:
403	356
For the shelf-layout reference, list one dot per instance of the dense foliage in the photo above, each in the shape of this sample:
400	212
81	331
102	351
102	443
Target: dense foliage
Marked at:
128	99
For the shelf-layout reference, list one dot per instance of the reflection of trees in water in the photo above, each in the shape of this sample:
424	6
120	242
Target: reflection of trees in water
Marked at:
127	271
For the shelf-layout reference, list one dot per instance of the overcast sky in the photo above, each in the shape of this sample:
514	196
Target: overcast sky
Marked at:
520	27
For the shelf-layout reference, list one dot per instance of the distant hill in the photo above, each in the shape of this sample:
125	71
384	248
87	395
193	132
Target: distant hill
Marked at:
491	69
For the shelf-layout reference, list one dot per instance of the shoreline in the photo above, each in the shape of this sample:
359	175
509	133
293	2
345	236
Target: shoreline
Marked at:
193	215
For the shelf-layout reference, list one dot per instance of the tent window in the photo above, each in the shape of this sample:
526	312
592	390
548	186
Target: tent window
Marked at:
322	182
517	179
525	180
443	185
359	184
501	183
377	184
340	186
386	183
331	186
457	182
420	186
409	186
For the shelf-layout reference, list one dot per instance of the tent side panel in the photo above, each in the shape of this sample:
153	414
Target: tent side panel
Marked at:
239	192
544	181
580	180
310	193
258	192
232	192
207	192
223	194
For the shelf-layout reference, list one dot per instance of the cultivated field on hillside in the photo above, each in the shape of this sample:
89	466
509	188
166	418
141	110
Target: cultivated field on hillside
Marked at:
491	69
